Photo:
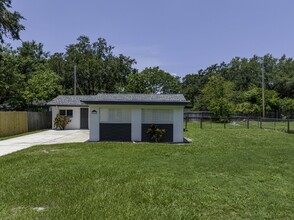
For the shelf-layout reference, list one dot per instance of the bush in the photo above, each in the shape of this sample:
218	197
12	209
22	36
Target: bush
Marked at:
156	134
61	121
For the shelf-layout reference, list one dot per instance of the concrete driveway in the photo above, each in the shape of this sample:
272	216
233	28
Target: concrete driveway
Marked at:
41	138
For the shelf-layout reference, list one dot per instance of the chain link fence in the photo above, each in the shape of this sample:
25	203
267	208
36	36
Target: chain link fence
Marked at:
236	122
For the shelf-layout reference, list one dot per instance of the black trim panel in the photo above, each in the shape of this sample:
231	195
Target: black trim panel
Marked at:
115	131
168	137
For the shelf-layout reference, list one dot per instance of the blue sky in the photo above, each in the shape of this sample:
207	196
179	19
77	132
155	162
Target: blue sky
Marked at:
180	36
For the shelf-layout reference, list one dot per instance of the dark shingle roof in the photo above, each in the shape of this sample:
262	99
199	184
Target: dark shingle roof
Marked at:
124	99
68	100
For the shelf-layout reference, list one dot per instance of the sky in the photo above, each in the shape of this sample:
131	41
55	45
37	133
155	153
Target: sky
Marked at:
179	36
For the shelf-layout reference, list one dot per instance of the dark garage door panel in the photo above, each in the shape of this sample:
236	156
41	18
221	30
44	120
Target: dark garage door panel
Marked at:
168	137
115	132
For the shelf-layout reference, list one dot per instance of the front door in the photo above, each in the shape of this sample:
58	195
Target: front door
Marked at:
84	118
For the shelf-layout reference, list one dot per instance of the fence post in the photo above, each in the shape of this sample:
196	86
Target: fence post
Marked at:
247	122
186	123
288	125
260	122
224	124
201	122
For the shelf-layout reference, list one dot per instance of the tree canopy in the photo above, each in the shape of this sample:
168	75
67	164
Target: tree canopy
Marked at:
29	74
153	80
10	25
98	69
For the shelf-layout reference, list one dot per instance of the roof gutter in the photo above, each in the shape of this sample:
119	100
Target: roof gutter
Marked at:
184	103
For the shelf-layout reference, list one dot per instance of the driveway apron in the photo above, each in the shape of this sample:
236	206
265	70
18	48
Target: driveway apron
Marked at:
42	138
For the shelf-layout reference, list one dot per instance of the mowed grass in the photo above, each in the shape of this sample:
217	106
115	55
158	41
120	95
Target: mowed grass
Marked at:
222	174
281	125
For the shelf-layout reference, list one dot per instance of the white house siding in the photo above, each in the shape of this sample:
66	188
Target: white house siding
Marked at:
169	115
136	124
75	120
94	117
178	121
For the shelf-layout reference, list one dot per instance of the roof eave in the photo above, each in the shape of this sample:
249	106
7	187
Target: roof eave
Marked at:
182	103
84	105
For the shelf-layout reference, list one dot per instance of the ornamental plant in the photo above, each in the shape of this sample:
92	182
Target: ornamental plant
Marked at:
61	121
156	134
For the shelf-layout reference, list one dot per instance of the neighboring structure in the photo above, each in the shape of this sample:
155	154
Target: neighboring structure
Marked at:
123	117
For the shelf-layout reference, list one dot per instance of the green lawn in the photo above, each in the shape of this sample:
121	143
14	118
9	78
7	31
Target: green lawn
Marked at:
280	125
223	174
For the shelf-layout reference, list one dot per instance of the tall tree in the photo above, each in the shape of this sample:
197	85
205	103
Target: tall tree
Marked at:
218	93
42	86
153	80
9	21
192	84
251	101
10	78
98	69
283	77
287	106
17	68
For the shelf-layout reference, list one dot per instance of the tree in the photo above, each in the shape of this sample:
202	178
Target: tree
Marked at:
192	84
31	57
287	106
218	93
283	77
10	78
251	101
98	69
42	86
153	80
9	22
22	73
137	83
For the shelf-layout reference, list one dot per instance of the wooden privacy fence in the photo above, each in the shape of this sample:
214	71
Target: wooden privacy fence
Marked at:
12	123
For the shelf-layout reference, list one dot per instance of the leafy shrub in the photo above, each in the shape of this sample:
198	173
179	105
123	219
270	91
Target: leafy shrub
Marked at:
156	134
61	121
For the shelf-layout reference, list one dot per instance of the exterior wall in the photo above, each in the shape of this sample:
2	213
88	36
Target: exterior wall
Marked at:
75	120
174	127
55	111
178	118
136	124
94	123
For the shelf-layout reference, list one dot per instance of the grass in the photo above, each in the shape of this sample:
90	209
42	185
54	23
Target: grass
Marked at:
280	125
222	174
19	135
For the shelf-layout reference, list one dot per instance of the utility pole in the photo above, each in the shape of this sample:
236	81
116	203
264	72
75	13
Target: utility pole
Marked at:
75	79
262	87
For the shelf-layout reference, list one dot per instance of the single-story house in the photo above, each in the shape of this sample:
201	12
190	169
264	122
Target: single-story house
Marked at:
123	117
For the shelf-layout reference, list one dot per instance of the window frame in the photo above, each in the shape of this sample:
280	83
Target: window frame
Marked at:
66	112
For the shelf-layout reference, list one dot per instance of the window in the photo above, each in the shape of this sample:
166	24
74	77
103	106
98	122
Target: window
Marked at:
160	116
62	112
115	115
68	113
